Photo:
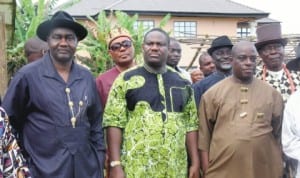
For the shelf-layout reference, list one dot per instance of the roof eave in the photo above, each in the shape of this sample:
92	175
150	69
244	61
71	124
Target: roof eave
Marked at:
189	14
198	14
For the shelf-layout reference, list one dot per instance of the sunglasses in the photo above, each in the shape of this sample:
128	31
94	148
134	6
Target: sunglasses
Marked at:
117	46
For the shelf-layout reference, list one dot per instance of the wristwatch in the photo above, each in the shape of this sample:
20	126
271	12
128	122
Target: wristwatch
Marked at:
115	163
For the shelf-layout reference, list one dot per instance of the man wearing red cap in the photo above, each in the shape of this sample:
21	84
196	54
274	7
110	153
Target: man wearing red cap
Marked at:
121	50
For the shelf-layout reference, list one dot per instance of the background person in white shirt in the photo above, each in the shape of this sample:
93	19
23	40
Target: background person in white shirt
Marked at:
291	129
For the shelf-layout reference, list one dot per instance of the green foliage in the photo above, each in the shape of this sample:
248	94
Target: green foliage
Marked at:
164	21
95	44
28	17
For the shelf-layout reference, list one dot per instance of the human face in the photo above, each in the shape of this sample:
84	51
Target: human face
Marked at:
244	61
196	75
155	48
121	51
272	55
207	65
174	54
62	44
222	59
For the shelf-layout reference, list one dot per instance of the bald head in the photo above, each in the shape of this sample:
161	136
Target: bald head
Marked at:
34	48
244	56
241	46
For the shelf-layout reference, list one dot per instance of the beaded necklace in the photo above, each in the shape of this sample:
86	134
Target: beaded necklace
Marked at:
71	104
287	73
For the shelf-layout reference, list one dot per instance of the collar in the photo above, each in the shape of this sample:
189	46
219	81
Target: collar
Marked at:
224	75
177	69
48	70
151	70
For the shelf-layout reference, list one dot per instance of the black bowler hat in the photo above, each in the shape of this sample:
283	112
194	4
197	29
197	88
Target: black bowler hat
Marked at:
60	19
220	42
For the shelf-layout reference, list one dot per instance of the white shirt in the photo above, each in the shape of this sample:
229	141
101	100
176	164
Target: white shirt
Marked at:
186	74
276	75
291	129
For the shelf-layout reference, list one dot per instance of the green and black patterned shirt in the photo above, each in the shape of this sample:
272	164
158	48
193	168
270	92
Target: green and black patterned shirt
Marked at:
155	112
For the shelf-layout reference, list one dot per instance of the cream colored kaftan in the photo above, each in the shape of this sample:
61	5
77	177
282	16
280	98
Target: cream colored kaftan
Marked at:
240	128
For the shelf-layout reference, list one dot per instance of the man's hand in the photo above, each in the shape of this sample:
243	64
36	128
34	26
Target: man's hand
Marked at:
194	171
116	172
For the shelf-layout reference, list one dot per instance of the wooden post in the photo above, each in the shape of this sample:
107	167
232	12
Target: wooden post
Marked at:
3	60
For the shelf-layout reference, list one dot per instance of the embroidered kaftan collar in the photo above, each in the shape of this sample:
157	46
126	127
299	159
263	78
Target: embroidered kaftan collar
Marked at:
151	70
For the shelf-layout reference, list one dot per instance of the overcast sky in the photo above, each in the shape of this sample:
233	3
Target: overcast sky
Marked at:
285	11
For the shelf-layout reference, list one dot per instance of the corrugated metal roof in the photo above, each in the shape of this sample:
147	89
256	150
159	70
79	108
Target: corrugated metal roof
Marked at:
178	7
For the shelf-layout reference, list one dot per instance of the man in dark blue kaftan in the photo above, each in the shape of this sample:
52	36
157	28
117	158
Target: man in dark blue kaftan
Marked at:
54	106
220	51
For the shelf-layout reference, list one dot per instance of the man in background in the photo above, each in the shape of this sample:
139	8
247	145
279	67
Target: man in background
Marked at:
121	50
270	46
291	130
220	51
174	57
206	63
196	75
294	64
34	49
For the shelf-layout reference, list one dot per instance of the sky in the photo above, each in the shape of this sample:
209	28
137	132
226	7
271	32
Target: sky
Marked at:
285	11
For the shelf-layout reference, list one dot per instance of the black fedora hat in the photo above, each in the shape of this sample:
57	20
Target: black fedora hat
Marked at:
60	19
269	33
220	42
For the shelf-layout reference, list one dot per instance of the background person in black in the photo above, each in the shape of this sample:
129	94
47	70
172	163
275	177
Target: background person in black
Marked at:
294	64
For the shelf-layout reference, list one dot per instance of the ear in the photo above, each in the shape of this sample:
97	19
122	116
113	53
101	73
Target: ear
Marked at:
110	53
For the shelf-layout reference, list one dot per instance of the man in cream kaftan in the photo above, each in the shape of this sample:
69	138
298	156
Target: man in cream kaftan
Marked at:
240	127
240	123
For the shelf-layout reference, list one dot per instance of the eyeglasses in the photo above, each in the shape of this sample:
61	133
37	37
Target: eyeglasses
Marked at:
117	46
268	48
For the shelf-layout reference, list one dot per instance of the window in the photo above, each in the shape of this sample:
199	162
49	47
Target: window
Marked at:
243	30
185	29
147	24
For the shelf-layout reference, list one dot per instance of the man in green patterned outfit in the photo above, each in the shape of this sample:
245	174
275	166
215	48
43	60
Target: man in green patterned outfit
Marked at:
151	118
